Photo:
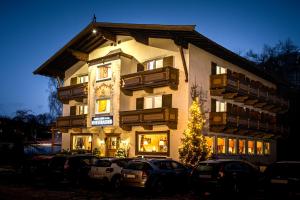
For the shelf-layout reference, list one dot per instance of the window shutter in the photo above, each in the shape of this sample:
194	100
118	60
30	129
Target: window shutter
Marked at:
168	61
213	105
140	103
213	68
72	110
140	67
167	101
74	81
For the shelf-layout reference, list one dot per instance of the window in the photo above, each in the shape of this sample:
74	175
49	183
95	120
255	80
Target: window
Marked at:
259	148
153	102
220	70
210	142
155	142
221	145
102	106
267	148
231	146
220	106
83	79
250	147
154	64
242	146
82	109
103	72
81	142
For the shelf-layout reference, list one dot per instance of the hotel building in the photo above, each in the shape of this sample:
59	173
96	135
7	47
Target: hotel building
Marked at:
129	86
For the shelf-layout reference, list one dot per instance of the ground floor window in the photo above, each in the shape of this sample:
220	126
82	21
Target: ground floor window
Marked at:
267	148
242	146
221	145
250	147
231	146
156	143
81	142
259	147
210	142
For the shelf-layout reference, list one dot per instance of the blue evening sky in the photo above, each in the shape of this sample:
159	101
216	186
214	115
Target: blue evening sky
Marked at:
32	31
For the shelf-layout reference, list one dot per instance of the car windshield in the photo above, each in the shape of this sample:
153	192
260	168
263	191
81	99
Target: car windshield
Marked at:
138	166
103	163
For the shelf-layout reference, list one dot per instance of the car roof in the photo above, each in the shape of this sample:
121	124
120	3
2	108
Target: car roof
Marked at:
288	162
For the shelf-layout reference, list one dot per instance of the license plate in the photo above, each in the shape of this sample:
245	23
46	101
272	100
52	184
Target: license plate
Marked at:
204	176
130	176
279	181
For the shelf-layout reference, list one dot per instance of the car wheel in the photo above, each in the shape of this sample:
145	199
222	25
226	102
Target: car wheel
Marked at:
116	183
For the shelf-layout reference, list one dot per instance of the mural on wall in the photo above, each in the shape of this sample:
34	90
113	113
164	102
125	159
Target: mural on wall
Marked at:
104	90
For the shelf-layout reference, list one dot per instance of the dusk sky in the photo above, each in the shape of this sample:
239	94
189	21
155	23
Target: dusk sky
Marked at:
32	31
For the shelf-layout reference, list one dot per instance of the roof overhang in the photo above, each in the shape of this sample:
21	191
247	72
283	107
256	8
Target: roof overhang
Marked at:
97	33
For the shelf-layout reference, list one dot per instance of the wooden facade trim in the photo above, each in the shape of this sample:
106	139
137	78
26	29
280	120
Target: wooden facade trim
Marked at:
73	92
184	64
75	121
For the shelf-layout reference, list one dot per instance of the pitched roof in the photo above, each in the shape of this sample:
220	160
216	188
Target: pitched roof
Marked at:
97	33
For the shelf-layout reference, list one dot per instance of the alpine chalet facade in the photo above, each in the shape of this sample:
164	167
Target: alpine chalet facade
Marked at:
129	86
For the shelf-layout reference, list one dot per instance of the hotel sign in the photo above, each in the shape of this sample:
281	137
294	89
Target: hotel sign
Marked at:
102	121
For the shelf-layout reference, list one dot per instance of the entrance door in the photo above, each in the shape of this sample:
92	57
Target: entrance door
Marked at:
112	144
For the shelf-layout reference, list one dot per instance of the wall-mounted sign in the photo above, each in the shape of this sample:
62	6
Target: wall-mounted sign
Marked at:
102	121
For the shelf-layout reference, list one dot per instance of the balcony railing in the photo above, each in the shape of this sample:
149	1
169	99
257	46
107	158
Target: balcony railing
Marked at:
145	80
223	84
75	121
220	121
149	117
73	92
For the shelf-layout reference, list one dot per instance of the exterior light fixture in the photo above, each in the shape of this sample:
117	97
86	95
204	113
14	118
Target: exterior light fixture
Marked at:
94	31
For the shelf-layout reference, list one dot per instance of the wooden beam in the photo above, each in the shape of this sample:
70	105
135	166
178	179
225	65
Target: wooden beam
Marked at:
140	37
184	64
108	35
79	55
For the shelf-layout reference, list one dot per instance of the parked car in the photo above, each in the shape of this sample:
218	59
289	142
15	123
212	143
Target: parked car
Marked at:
71	168
108	170
155	174
224	177
282	179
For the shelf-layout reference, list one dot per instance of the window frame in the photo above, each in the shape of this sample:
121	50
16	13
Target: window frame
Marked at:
155	64
85	77
72	135
137	133
225	145
153	101
99	99
221	104
235	146
108	65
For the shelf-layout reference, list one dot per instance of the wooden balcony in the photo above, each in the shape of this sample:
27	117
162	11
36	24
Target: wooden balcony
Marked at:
75	121
243	88
149	117
253	93
225	85
73	92
147	80
262	96
223	121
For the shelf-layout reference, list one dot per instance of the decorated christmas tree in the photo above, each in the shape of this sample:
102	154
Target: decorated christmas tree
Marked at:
194	145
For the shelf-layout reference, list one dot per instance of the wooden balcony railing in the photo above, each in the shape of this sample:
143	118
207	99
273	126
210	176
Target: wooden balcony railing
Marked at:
220	121
75	121
73	92
149	117
223	84
147	80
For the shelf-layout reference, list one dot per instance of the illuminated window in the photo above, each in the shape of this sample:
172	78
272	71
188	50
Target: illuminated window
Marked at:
267	148
220	106
153	143
259	148
82	109
83	79
154	64
102	106
220	70
231	146
153	102
221	145
103	72
81	142
250	147
242	146
210	142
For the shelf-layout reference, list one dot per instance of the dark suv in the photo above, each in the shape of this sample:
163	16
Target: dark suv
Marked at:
282	179
224	177
155	174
